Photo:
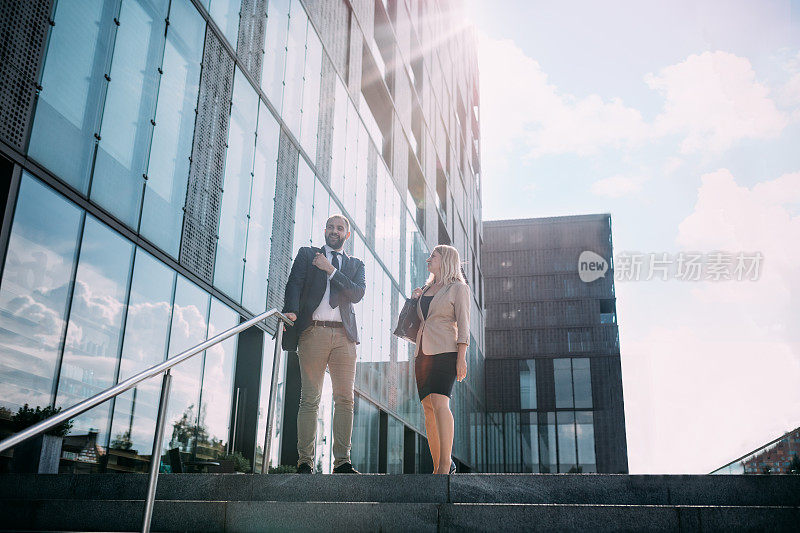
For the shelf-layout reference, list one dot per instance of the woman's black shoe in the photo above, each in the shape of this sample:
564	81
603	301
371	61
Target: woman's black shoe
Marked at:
452	467
304	468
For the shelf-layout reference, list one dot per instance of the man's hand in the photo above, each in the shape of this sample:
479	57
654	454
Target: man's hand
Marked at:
416	293
290	316
321	262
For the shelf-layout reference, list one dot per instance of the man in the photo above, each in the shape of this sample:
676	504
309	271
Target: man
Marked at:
323	286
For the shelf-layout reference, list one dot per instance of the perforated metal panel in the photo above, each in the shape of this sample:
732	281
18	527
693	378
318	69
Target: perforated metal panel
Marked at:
204	192
326	110
372	186
280	261
250	47
354	61
332	20
23	32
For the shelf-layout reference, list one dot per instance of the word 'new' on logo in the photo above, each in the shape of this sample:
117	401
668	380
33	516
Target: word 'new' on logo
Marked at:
591	266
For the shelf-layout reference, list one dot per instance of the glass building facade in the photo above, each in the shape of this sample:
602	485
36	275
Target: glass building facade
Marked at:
553	376
163	161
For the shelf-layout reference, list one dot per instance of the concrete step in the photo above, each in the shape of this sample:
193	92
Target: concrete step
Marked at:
126	515
598	489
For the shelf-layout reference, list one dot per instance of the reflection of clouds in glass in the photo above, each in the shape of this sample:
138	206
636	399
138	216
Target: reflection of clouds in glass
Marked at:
33	294
98	296
188	328
45	323
145	335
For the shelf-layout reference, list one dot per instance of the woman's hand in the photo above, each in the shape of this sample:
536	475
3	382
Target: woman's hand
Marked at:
416	293
461	368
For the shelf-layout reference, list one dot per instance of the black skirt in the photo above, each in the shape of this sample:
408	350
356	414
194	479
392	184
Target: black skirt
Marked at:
435	373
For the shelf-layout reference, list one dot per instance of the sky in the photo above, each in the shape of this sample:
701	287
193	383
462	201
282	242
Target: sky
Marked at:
682	120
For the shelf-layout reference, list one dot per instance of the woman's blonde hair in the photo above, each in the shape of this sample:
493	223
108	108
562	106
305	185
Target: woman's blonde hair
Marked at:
450	271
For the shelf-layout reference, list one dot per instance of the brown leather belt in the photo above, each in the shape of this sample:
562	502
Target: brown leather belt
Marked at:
326	324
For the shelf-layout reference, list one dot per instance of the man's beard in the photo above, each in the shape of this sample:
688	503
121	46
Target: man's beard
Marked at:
334	242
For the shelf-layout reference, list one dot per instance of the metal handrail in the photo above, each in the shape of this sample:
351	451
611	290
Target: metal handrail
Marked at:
165	368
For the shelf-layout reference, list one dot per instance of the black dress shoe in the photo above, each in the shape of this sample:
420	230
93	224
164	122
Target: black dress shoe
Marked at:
345	468
304	468
452	467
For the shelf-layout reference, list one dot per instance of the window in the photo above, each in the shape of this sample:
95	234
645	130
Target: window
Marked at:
144	345
73	86
229	264
217	392
226	14
262	204
129	111
168	168
189	327
272	68
573	382
95	324
527	384
34	293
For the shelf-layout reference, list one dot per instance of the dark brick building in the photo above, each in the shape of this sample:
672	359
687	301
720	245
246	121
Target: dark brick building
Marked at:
553	374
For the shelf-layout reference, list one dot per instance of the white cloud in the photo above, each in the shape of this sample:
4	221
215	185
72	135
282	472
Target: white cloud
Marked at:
713	100
722	362
519	104
618	186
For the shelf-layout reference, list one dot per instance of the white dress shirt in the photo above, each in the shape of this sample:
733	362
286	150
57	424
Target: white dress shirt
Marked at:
324	311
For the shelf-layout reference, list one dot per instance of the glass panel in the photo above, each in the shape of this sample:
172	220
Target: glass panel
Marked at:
350	154
229	266
311	90
267	360
547	442
144	345
366	422
189	328
68	107
295	64
262	203
582	381
321	213
339	137
584	427
275	51
34	293
217	394
530	443
527	384
563	379
95	324
129	109
168	168
226	14
567	461
394	443
304	205
512	442
360	213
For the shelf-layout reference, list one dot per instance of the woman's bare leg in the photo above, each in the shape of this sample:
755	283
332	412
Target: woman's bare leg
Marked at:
431	430
446	428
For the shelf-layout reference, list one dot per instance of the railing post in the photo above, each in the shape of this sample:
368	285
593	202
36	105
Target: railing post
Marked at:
273	392
155	459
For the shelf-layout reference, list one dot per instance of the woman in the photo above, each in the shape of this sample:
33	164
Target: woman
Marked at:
441	353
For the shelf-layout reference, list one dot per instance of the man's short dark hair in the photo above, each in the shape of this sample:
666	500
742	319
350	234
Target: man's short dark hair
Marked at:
340	217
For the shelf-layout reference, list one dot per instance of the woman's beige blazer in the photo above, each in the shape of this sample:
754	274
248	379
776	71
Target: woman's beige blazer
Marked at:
447	324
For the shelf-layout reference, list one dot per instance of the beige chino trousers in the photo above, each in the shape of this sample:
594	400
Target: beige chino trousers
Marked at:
320	348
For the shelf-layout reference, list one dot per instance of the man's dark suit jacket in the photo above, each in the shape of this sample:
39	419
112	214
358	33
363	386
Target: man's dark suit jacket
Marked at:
306	287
